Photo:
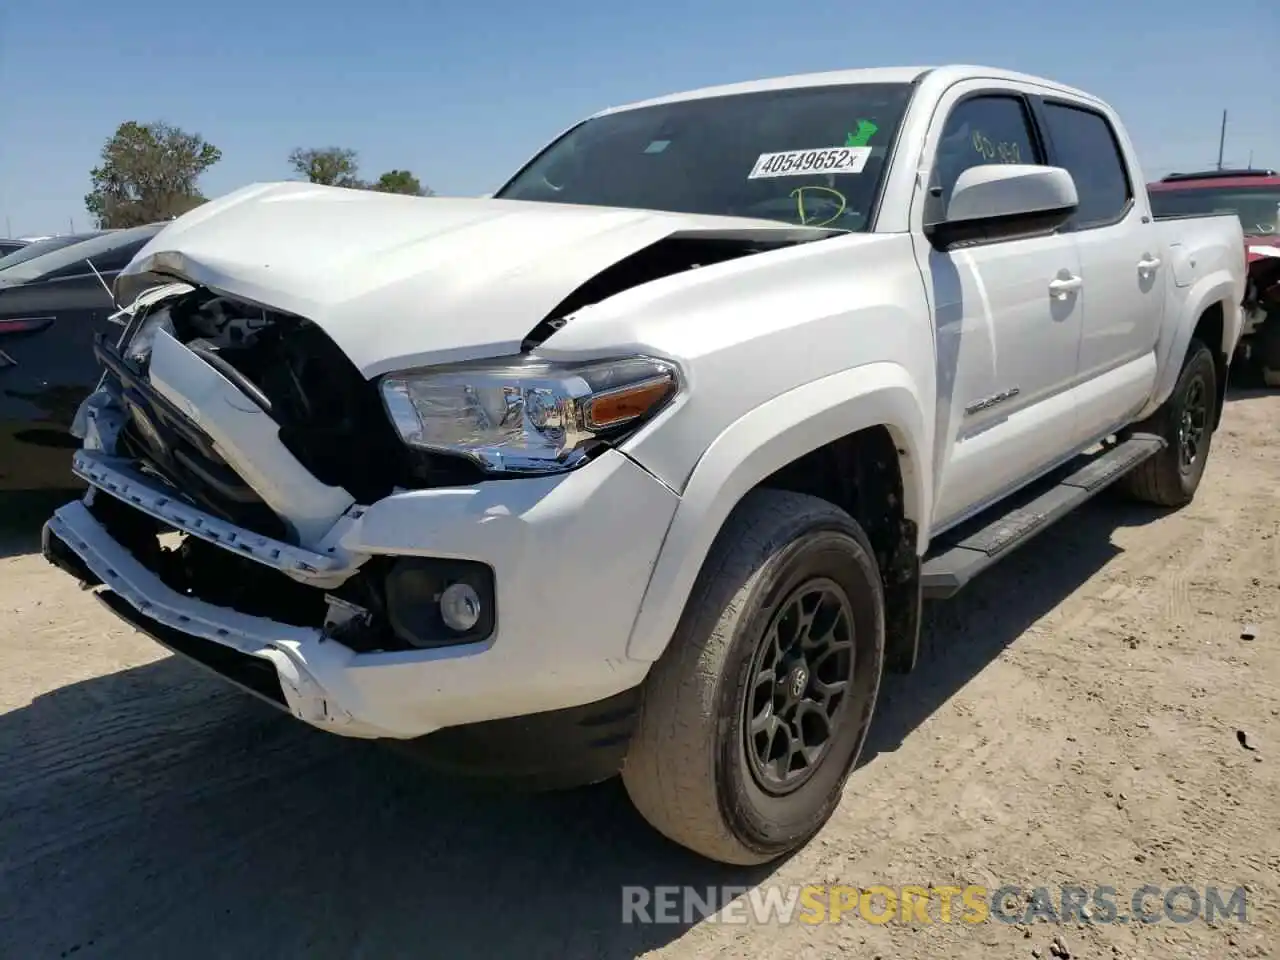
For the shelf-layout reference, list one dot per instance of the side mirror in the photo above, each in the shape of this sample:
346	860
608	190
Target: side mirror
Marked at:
1001	201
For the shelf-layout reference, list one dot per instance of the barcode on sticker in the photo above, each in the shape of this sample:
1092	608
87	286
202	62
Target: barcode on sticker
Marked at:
797	163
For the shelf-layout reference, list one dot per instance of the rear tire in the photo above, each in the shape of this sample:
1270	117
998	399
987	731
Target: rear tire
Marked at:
1185	421
785	622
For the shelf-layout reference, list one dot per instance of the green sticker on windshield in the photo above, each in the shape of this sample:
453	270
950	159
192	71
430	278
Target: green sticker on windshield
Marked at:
862	136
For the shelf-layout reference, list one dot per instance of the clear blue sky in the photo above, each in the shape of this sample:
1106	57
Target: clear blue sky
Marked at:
463	92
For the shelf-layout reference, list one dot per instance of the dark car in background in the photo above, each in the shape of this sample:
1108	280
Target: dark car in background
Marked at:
38	248
51	307
1254	197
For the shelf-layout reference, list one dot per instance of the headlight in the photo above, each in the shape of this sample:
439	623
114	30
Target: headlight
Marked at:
525	415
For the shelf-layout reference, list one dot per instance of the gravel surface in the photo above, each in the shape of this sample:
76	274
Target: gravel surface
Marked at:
1100	709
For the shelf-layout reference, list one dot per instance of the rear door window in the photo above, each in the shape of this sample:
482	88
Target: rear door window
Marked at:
1086	146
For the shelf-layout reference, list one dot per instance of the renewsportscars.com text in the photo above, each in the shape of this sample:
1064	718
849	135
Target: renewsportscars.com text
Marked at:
814	904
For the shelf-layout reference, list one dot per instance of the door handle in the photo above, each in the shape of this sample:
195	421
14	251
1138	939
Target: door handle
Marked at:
1063	288
1148	264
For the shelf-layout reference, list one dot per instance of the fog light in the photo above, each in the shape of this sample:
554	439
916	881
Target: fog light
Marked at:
434	602
460	607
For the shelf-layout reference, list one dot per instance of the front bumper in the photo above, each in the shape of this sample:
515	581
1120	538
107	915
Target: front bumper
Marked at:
571	556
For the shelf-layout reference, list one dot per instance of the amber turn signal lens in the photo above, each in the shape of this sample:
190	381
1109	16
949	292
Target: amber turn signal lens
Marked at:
624	404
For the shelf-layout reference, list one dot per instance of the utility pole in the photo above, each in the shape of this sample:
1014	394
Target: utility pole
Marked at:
1222	138
8	228
1250	159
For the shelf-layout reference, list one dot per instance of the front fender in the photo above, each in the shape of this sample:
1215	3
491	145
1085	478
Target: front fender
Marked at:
758	444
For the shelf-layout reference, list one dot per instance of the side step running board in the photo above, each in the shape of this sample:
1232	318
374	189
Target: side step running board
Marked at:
992	535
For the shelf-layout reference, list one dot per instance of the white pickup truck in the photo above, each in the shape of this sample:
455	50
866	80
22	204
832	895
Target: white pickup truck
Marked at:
645	464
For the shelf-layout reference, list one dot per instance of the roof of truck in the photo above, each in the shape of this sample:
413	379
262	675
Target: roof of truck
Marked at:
952	72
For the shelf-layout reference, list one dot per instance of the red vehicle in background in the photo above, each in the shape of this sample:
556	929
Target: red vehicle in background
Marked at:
1254	197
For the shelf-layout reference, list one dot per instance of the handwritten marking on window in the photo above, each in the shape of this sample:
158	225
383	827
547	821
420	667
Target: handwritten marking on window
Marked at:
996	151
799	194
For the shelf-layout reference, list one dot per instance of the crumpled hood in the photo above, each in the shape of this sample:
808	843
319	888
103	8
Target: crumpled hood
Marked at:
402	281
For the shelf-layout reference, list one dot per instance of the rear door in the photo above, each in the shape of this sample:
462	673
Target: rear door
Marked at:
1121	261
1006	315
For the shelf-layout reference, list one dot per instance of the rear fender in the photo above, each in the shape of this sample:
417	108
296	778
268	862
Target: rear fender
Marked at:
759	444
1213	289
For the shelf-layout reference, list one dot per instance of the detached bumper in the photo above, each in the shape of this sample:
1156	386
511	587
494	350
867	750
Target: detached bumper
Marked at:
571	557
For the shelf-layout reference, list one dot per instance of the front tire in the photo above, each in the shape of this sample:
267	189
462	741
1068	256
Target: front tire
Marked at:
754	716
1185	420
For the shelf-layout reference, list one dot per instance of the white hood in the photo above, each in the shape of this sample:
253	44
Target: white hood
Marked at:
402	281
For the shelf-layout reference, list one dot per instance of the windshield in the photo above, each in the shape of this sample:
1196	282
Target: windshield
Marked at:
73	253
1257	207
40	247
811	156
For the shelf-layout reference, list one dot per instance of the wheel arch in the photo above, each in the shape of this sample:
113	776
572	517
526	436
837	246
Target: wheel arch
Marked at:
867	414
1211	316
1211	330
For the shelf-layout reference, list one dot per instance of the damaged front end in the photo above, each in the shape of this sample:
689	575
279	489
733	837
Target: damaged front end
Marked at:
228	452
250	436
254	507
310	505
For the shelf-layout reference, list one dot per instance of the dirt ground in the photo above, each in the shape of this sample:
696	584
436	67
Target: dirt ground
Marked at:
1076	719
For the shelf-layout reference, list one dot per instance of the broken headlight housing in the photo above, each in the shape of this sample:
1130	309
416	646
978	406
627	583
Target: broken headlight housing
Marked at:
526	415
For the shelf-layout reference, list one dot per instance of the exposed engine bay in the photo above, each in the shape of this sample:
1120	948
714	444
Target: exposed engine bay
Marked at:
325	410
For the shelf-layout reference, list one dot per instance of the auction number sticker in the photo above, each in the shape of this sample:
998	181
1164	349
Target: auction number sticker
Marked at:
797	163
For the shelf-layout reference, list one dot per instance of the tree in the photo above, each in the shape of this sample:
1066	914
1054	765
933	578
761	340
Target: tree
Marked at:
340	167
148	173
400	181
332	166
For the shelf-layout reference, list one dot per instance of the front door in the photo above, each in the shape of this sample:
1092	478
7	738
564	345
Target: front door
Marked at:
1006	313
